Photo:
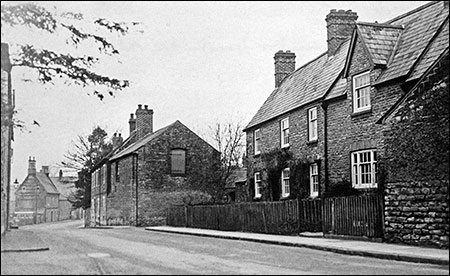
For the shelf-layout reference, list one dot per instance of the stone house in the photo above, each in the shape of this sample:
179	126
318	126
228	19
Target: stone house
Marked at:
149	171
325	113
65	184
37	198
7	99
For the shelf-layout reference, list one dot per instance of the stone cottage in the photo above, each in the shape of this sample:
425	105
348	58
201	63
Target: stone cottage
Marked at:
317	133
149	171
37	198
65	184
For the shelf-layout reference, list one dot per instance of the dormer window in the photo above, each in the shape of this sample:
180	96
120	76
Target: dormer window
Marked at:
361	92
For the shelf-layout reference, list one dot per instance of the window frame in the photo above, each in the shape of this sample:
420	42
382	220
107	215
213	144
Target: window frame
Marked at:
257	185
257	141
285	183
312	180
310	121
182	172
357	171
355	89
116	172
283	134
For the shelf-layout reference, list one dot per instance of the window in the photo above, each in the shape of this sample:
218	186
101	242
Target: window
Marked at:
178	157
361	92
314	180
285	189
257	185
284	132
257	137
364	169
117	172
312	124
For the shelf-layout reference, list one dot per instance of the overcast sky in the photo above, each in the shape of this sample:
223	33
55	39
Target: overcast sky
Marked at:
197	62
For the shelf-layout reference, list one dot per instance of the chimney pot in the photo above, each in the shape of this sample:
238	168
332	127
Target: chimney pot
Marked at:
145	106
31	166
139	106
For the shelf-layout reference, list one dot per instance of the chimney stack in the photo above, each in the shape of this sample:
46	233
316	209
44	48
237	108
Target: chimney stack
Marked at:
284	65
117	140
340	25
45	170
60	174
132	123
144	121
31	165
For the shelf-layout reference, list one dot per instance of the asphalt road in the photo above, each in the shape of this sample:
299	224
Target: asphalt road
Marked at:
132	250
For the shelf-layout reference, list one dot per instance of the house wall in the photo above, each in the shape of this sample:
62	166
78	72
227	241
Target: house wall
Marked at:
348	131
65	209
120	203
6	136
157	187
28	201
98	195
271	140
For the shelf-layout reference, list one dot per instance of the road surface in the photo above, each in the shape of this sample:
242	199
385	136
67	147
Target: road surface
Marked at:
75	250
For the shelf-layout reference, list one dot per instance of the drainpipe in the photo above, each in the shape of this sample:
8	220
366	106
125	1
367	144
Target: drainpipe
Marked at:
134	168
325	144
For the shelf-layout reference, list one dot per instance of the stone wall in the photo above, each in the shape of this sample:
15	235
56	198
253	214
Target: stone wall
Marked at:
416	213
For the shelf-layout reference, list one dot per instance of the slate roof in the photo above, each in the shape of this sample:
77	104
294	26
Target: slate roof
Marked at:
306	84
238	175
439	44
380	40
47	183
142	142
65	185
420	25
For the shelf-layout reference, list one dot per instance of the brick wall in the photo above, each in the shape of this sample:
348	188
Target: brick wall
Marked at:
271	139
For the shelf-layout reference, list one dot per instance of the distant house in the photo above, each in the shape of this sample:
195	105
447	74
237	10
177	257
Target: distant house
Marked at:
149	171
37	198
66	188
324	115
234	191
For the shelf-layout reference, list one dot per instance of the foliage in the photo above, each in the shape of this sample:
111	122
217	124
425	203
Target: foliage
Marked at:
275	161
340	188
52	65
86	152
417	145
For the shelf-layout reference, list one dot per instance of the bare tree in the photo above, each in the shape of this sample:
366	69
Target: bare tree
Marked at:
228	138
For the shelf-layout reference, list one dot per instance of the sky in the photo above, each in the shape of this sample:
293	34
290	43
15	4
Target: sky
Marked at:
197	62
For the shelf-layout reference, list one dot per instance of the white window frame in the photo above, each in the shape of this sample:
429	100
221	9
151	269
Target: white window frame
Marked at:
285	183
257	185
312	124
284	132
361	103
364	169
257	141
314	180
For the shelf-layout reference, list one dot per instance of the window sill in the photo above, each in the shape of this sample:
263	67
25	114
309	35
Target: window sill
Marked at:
361	112
257	198
257	154
367	187
285	147
312	142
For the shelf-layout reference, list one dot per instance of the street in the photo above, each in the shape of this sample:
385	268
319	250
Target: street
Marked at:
75	250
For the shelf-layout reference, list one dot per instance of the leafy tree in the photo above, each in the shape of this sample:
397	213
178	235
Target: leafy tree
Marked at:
85	153
50	64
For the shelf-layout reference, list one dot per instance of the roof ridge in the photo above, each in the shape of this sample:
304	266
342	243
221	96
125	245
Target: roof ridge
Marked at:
376	24
411	12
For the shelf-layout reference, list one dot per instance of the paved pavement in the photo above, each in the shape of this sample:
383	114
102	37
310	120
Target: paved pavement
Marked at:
351	247
17	240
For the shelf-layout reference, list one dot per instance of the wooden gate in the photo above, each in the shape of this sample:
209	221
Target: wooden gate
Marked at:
353	216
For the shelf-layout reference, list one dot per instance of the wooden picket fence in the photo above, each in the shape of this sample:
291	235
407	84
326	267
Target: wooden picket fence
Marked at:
281	217
349	216
354	216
